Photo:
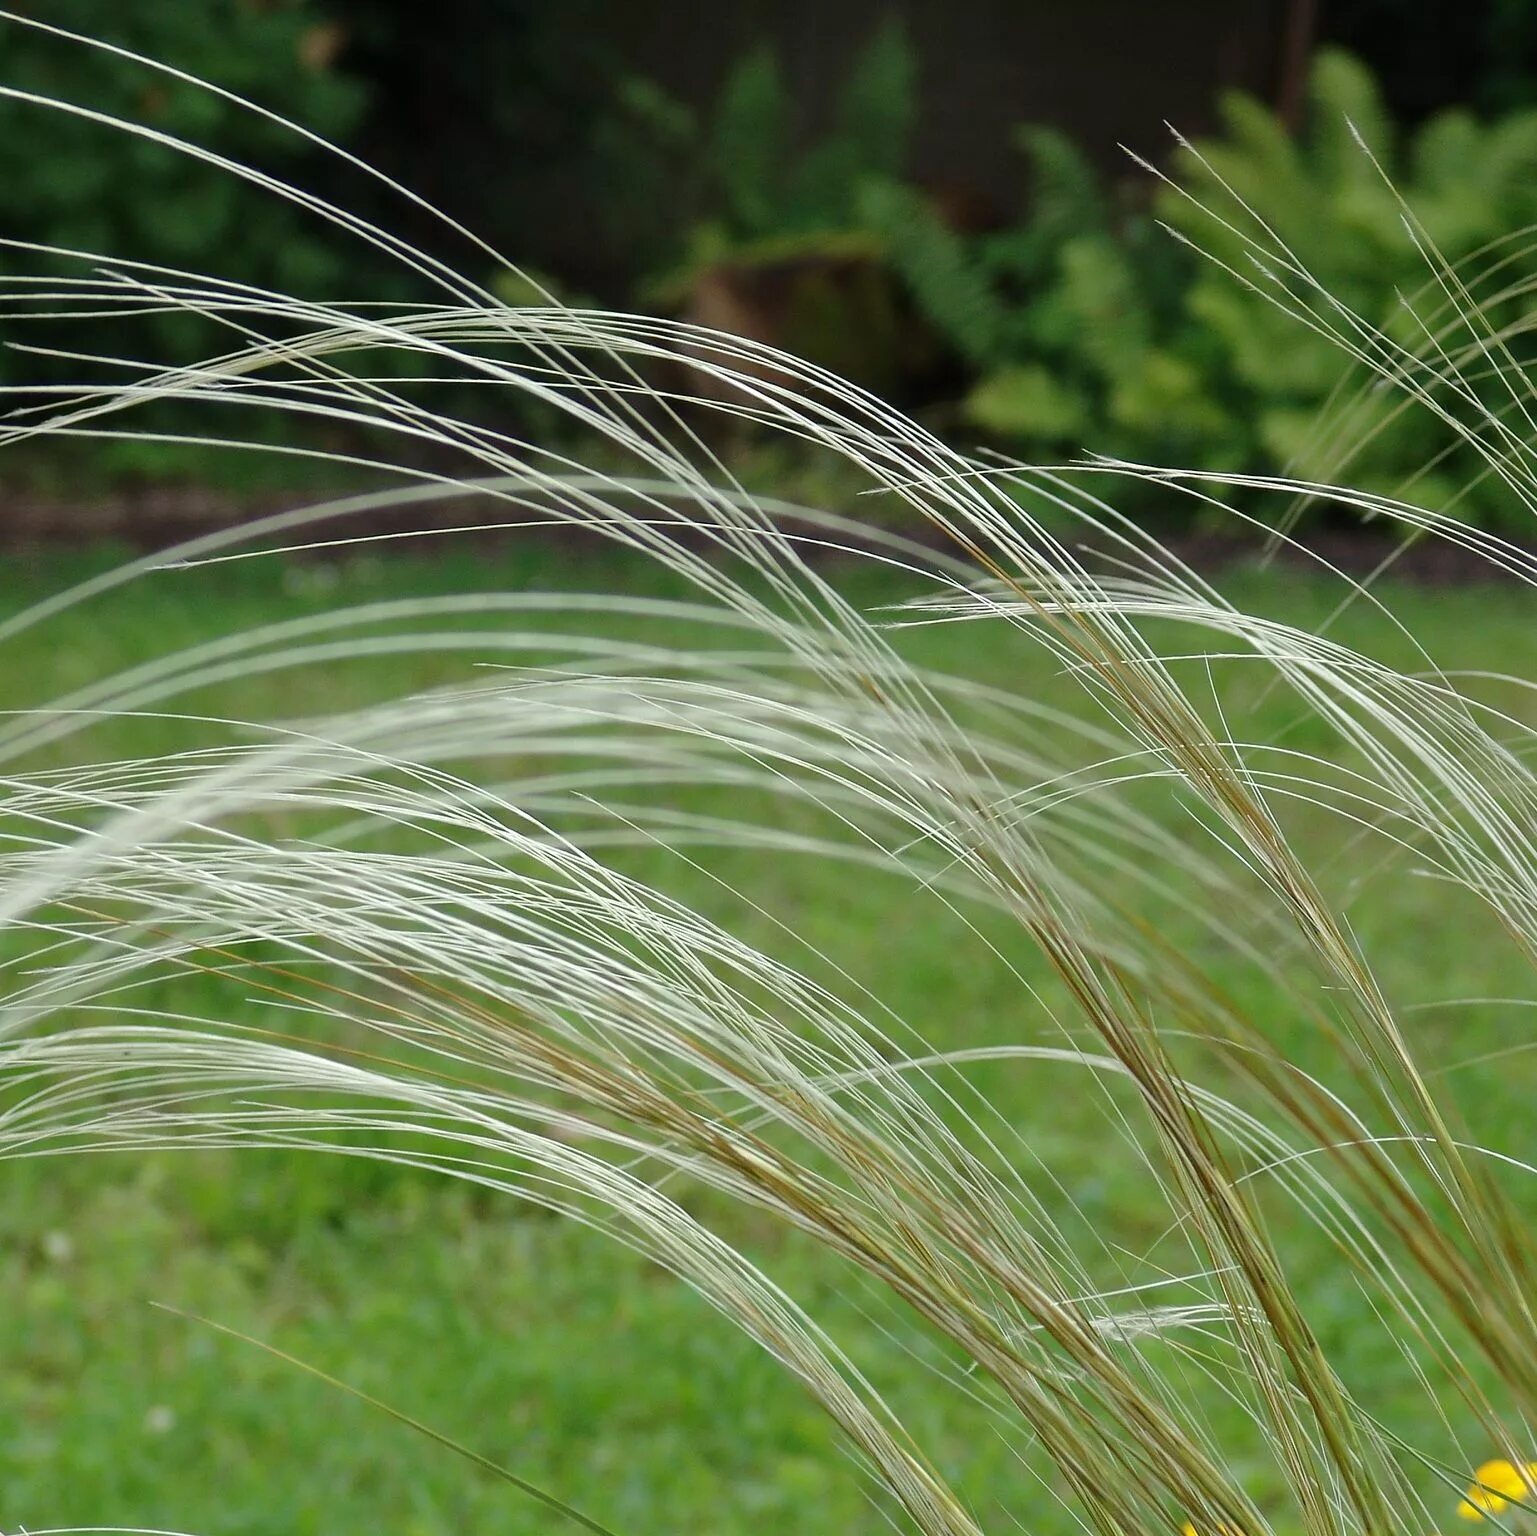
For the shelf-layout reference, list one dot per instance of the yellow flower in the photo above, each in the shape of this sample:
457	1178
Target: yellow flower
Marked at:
1496	1485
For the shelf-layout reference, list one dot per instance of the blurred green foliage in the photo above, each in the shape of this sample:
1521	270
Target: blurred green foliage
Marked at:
72	181
1080	325
1379	218
764	235
755	187
1086	327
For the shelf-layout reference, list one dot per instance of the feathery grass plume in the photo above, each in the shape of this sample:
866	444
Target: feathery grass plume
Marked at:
441	929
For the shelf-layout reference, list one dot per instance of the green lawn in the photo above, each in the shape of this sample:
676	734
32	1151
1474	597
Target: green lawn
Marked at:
541	1345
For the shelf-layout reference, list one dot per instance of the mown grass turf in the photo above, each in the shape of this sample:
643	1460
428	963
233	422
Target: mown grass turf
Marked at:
544	1346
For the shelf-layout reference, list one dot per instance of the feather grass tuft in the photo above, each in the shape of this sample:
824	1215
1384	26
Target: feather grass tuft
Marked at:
432	922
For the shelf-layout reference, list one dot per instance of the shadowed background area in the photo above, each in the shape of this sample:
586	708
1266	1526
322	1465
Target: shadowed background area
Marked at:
936	200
